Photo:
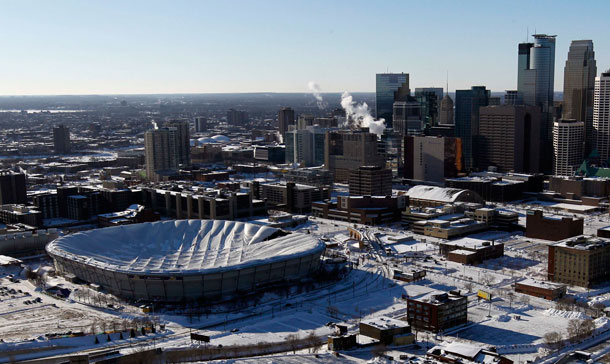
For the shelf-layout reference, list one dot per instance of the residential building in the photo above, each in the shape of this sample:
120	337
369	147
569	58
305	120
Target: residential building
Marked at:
568	144
237	117
509	138
370	181
437	311
467	104
431	158
601	117
578	87
581	261
306	146
388	87
161	153
183	140
201	124
285	118
61	139
292	197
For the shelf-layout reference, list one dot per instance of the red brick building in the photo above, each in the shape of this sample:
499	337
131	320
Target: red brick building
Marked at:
437	311
538	226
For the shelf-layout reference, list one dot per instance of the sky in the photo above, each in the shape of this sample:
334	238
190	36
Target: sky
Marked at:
178	46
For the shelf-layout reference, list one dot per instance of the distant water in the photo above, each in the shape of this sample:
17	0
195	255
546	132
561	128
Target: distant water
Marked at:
32	111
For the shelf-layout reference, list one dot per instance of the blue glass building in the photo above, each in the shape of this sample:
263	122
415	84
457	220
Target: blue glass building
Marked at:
387	91
467	104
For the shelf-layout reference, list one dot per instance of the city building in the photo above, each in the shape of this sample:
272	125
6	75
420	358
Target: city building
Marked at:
581	261
292	197
162	156
437	311
305	147
310	176
237	117
535	86
552	228
387	90
407	116
467	104
201	124
430	99
346	151
579	187
20	214
386	329
134	214
498	187
274	154
568	144
511	97
368	210
431	196
22	243
542	289
12	188
446	113
431	158
601	116
183	140
370	181
285	118
509	138
578	87
471	251
460	352
61	139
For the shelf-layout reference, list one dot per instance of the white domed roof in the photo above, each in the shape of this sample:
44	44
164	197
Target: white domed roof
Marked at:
206	140
221	138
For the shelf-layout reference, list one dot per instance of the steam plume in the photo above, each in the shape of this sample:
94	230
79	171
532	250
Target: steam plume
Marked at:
359	115
317	93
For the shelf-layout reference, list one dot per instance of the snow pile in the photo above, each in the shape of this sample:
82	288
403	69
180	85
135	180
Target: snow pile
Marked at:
602	324
572	315
604	299
380	360
182	246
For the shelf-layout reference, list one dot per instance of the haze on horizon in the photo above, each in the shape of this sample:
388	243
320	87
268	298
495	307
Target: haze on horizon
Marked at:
153	47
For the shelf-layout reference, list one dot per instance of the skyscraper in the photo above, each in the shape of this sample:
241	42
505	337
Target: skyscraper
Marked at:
305	146
346	151
568	136
61	139
509	138
12	188
446	117
389	87
237	117
578	84
601	116
407	117
183	140
431	158
285	117
430	100
467	104
201	124
535	86
161	152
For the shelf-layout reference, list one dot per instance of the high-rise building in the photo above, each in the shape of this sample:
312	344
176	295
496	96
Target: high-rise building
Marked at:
535	86
346	151
389	88
429	99
305	146
61	139
407	117
237	117
511	97
509	138
285	117
446	114
161	152
581	261
601	116
12	188
467	104
183	140
201	124
370	181
578	85
568	136
431	158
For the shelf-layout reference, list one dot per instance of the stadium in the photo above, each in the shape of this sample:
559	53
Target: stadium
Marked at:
186	260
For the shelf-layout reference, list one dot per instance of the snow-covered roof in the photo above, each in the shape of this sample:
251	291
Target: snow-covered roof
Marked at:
221	138
182	247
434	193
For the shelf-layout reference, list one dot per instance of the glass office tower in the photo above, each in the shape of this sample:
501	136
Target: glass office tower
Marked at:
388	85
467	104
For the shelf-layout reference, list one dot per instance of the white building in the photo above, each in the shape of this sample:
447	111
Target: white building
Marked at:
601	116
161	152
568	146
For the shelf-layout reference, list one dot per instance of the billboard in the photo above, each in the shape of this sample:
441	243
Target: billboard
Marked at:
484	295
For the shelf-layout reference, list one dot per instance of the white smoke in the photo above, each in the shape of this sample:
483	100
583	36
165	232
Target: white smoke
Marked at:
359	115
317	93
154	124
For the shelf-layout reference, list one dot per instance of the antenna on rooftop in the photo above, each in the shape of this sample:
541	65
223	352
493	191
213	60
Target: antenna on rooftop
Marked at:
447	82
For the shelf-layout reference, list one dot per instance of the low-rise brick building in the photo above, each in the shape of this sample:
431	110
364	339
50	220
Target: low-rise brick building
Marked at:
437	311
553	228
546	290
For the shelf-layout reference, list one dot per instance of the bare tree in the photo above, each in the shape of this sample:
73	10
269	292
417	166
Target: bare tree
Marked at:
487	279
469	286
553	340
293	342
332	311
511	297
525	299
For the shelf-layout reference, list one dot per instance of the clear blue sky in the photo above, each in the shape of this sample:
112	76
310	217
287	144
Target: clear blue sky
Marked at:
86	46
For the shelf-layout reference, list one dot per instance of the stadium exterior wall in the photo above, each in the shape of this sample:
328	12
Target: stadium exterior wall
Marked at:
183	288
